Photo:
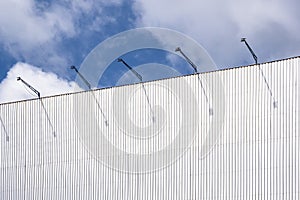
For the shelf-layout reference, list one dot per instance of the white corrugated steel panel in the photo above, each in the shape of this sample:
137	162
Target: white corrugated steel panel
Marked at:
246	150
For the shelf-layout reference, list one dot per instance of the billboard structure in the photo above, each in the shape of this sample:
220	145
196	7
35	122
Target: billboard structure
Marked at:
247	149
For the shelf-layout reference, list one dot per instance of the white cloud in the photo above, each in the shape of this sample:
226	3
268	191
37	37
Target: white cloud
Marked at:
46	83
28	23
98	22
22	26
172	58
33	31
272	27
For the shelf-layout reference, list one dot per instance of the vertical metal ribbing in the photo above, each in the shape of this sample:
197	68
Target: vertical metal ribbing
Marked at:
296	157
256	157
276	145
24	138
295	149
4	129
292	129
47	117
44	141
99	107
280	140
258	140
268	86
148	102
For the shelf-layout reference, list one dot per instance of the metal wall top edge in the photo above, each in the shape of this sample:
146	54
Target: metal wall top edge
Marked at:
252	65
175	77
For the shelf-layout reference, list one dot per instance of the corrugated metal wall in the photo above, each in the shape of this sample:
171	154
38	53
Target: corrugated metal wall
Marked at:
160	141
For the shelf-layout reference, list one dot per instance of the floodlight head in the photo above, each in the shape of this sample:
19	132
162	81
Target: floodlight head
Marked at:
177	49
18	78
120	60
72	67
243	39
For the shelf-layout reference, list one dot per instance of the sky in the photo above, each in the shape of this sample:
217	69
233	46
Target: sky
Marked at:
41	39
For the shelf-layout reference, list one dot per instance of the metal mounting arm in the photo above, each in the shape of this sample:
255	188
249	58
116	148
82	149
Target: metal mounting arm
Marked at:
251	51
261	71
43	106
30	87
90	88
131	69
178	49
141	79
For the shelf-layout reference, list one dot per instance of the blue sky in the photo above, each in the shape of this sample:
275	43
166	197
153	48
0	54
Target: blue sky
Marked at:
39	40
